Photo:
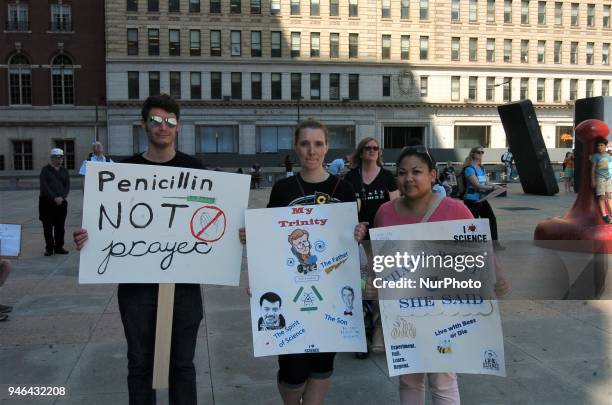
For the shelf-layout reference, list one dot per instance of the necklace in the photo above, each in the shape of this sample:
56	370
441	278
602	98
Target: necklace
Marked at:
299	183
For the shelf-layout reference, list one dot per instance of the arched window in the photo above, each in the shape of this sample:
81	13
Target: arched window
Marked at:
62	79
20	80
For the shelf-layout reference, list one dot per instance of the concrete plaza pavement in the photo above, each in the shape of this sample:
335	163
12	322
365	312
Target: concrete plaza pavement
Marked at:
64	334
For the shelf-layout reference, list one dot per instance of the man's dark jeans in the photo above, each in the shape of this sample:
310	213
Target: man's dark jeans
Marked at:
138	308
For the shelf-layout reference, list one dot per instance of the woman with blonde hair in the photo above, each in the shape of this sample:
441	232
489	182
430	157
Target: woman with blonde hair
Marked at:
373	184
476	187
305	378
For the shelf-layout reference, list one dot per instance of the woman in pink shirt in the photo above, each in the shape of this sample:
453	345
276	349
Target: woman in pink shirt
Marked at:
415	175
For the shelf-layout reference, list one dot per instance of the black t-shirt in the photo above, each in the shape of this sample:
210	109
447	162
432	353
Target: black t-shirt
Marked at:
287	192
372	195
179	160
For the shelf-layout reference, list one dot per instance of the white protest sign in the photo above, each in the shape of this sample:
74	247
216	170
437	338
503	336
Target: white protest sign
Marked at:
493	194
10	239
458	333
159	224
304	279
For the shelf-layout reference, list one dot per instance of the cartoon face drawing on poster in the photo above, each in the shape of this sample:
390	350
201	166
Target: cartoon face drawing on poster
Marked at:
490	360
348	299
300	247
270	317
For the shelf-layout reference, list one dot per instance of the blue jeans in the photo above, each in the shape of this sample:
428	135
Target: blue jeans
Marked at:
138	308
508	167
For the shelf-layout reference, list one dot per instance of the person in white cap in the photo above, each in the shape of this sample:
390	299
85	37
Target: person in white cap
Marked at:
97	155
52	205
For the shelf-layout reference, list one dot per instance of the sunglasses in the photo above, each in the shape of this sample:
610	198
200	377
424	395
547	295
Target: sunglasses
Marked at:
157	121
419	149
480	152
371	148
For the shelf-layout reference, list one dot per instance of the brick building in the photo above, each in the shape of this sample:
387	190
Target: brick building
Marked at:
52	82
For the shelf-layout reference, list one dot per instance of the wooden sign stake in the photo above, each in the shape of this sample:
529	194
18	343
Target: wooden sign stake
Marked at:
163	336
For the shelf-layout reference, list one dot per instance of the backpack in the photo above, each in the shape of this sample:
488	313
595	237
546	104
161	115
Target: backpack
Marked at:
462	183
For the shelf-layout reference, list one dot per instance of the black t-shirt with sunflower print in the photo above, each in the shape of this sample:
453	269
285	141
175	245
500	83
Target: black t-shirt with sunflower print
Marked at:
295	191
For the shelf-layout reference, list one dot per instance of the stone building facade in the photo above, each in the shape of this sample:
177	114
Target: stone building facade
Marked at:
246	71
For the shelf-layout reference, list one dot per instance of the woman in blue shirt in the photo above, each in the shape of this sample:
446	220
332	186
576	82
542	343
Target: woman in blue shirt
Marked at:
477	186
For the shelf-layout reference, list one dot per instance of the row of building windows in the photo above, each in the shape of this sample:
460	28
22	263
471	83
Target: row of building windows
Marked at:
533	9
386	53
23	154
255	6
572	49
235	92
60	17
218	92
314	9
271	139
466	136
235	43
20	80
524	87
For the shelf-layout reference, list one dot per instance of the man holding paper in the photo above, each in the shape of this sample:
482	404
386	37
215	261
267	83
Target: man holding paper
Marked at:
96	155
138	302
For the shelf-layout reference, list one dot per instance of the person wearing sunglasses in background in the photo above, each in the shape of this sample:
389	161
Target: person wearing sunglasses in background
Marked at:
477	185
138	302
373	186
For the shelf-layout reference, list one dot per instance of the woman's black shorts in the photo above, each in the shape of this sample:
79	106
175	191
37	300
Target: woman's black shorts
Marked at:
295	369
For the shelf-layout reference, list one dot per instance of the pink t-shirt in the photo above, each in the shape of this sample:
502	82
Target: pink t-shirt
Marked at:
448	210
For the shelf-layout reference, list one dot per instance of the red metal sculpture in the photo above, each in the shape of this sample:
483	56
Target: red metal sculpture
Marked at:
583	221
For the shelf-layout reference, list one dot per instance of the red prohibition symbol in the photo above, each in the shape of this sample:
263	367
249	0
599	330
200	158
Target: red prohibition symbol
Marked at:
208	223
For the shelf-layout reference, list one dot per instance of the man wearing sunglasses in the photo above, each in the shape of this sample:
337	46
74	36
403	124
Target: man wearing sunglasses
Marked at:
138	302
